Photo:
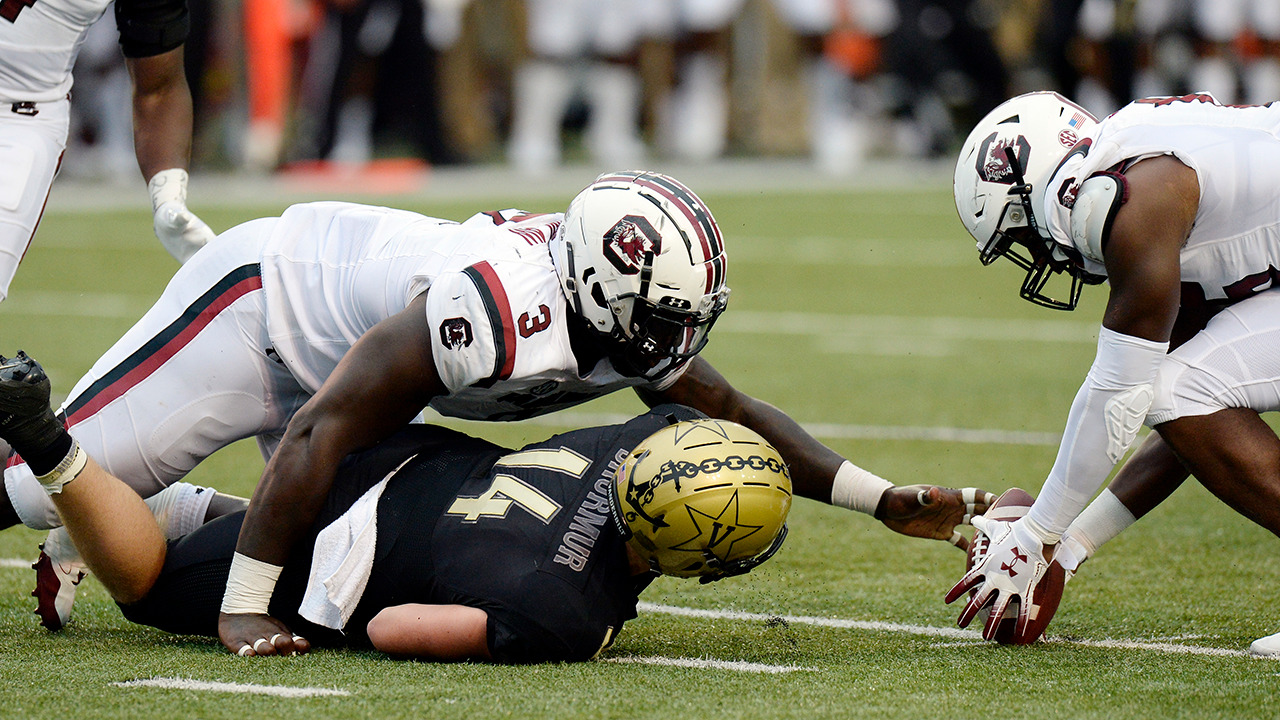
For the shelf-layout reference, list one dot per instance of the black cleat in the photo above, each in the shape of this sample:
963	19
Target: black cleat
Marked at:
26	420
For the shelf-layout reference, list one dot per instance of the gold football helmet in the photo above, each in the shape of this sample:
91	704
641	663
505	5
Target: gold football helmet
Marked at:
705	498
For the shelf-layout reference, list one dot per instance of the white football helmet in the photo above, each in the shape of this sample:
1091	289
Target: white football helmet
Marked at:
703	498
642	261
1000	185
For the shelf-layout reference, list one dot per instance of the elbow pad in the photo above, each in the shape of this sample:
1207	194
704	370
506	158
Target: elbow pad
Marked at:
151	27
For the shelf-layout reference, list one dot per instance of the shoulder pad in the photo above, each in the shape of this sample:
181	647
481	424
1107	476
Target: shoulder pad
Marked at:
1097	202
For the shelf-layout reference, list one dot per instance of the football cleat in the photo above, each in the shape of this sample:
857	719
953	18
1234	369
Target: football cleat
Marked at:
59	570
1268	646
26	420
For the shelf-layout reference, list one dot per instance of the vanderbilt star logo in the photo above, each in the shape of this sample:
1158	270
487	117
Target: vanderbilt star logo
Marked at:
723	528
686	430
1017	558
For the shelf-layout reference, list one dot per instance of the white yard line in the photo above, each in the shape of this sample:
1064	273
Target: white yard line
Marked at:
947	632
207	686
709	664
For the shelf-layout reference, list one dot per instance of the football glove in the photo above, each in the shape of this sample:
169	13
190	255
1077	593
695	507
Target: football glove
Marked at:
179	230
1010	571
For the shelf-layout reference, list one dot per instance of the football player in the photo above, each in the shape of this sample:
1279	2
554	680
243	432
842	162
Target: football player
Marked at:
1172	201
38	46
442	546
327	329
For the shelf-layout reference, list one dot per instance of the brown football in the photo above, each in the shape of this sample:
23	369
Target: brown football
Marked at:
1010	506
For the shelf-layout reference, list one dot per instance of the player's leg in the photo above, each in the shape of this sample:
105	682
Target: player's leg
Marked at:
1208	395
192	376
114	527
31	147
1236	456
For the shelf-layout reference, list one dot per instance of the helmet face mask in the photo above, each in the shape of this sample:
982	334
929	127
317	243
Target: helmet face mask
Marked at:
1000	182
703	498
642	261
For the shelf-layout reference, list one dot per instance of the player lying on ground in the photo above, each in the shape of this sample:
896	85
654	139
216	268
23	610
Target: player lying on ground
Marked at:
326	330
443	546
1173	201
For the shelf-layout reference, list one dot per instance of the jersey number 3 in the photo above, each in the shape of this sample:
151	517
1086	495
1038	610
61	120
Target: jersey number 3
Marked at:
9	9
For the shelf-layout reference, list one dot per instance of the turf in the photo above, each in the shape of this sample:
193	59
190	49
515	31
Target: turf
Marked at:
858	309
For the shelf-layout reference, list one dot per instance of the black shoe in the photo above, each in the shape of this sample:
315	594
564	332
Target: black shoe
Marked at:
26	420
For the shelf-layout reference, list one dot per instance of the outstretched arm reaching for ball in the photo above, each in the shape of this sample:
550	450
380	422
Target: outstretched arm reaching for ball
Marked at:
820	473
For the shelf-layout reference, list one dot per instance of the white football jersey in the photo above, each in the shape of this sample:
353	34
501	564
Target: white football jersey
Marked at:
1234	247
331	271
39	41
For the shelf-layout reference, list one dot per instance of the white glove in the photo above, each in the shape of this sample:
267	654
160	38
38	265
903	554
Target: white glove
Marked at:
179	230
1013	565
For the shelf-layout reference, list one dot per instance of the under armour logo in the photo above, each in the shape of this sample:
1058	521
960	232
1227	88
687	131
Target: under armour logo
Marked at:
1017	558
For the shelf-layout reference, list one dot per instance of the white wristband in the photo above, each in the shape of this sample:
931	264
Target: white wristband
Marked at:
249	586
66	471
168	186
857	489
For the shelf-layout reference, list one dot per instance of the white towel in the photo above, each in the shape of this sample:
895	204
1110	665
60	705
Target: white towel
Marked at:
343	559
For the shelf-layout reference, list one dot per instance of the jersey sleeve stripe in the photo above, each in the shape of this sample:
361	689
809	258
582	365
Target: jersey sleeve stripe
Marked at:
165	344
498	308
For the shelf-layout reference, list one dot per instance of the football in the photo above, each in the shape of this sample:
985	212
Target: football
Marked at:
1010	506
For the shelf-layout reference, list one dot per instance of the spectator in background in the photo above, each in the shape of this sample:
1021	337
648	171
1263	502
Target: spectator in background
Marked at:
38	47
944	62
101	135
840	45
588	45
370	80
693	118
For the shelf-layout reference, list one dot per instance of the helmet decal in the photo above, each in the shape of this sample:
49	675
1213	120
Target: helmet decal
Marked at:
712	532
993	164
628	242
640	494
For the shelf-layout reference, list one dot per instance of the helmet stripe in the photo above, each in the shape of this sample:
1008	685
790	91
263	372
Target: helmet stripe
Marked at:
498	308
165	344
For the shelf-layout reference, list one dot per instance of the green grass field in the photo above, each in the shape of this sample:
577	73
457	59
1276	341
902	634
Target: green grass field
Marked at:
867	317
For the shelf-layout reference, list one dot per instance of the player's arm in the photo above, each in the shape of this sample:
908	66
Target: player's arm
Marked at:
152	33
386	378
162	114
1142	257
818	472
433	632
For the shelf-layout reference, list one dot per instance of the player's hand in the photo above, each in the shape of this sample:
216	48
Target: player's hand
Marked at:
1015	562
250	635
180	231
929	511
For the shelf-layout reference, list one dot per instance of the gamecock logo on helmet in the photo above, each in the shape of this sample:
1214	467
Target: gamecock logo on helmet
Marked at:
993	163
627	243
455	333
